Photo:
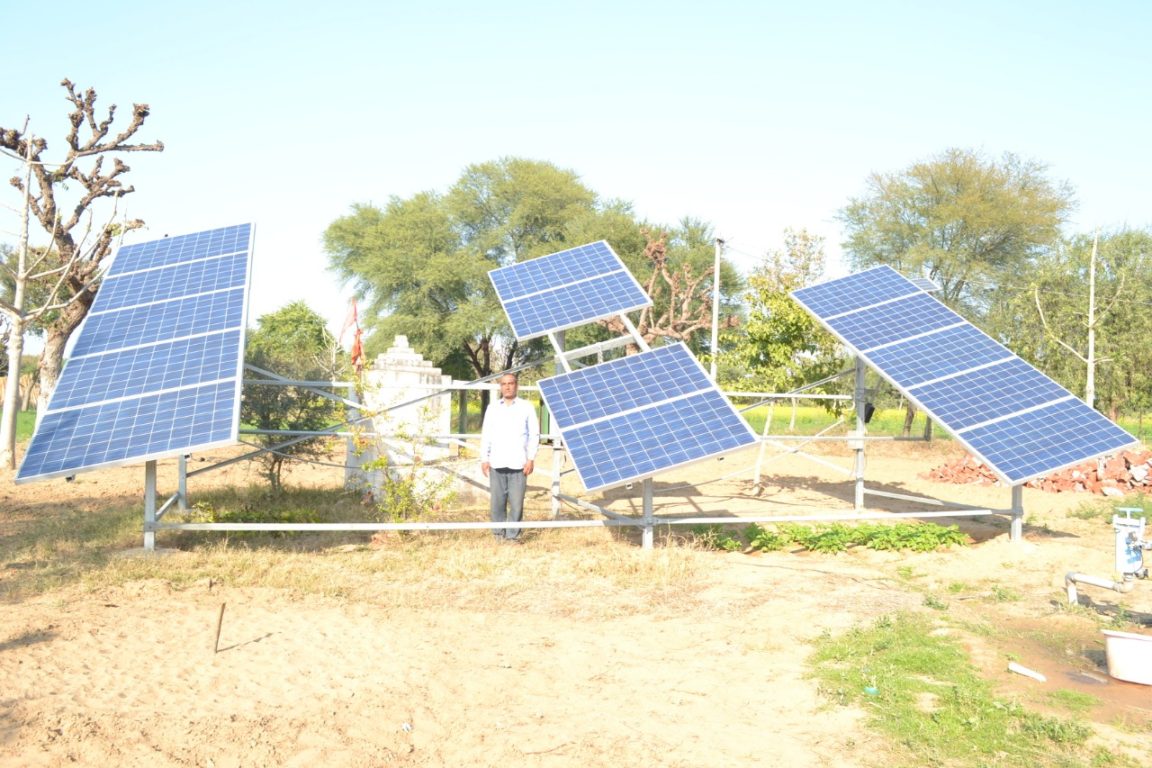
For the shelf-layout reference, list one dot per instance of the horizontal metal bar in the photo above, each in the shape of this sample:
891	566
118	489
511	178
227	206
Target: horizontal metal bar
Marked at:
825	518
411	526
616	520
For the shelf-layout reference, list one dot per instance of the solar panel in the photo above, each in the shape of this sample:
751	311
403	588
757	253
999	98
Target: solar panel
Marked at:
1019	421
926	284
566	289
156	368
875	326
639	415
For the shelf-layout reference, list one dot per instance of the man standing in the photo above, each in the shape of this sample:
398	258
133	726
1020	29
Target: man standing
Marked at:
509	440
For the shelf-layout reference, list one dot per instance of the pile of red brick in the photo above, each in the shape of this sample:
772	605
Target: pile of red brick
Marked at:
1119	475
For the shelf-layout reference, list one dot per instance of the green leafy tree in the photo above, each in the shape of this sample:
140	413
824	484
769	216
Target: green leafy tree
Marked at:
292	342
1047	310
422	263
964	220
781	347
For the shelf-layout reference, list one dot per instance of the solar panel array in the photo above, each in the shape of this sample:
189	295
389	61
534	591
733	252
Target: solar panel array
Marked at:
566	289
639	415
157	366
629	418
1023	424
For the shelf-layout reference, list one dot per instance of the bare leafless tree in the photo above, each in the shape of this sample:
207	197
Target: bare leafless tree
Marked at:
681	299
60	195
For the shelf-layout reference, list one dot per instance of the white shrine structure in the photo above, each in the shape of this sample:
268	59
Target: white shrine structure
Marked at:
408	409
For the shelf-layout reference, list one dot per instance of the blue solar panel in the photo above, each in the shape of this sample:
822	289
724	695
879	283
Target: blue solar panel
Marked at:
566	289
639	415
163	321
846	294
150	368
1019	421
131	429
173	250
946	352
156	368
559	268
892	321
984	394
1039	442
153	285
925	284
629	383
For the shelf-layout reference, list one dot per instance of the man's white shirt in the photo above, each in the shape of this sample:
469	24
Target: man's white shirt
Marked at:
510	435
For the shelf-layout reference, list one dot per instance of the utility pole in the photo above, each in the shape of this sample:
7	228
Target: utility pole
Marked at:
1090	377
716	306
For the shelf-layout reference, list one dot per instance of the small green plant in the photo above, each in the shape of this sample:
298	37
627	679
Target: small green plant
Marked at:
935	603
406	492
1004	594
260	505
1105	509
765	539
838	537
1122	617
402	485
1074	701
907	572
1091	510
1053	729
716	537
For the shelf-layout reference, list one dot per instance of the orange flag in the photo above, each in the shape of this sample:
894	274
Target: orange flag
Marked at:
353	321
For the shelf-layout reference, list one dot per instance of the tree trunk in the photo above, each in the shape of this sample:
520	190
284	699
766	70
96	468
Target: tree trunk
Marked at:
55	340
11	396
909	417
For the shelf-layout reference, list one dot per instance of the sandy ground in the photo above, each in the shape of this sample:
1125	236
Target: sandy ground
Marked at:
128	676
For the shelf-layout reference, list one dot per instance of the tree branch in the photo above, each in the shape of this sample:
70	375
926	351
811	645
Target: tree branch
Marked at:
1044	322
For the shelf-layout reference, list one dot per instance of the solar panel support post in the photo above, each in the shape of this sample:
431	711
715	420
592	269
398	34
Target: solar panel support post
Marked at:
598	348
635	333
646	538
558	339
858	443
561	363
763	446
716	307
182	483
1016	532
150	505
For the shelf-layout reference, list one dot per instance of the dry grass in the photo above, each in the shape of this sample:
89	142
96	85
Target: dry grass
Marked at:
594	573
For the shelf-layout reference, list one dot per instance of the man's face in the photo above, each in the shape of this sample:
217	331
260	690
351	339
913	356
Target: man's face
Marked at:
508	387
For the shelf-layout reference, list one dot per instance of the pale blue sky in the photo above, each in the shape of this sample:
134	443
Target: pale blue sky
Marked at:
751	116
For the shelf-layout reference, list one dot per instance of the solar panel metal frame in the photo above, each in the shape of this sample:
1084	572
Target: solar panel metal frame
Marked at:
883	286
566	289
619	394
171	364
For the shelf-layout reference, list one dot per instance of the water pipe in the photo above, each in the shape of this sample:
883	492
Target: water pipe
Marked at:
1130	546
1071	579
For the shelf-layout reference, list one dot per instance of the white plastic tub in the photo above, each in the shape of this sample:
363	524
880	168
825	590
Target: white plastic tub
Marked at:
1129	656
